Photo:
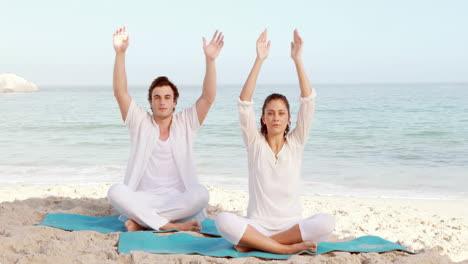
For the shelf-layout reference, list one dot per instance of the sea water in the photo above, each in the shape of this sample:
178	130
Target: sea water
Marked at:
385	140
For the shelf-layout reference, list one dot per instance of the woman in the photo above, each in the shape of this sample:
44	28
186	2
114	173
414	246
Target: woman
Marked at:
274	216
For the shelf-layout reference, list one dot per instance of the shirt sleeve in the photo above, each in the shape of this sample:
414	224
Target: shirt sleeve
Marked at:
304	119
134	117
189	117
247	121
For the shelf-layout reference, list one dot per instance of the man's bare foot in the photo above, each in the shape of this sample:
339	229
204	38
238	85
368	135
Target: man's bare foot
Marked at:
187	226
133	226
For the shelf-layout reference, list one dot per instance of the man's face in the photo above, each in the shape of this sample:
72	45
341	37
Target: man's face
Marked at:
162	101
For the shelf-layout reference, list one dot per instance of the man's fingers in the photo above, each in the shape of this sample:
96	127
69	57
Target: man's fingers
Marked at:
220	37
269	44
204	41
214	36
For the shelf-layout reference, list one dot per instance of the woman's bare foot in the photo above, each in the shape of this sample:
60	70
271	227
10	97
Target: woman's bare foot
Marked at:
187	226
242	249
287	250
305	245
133	226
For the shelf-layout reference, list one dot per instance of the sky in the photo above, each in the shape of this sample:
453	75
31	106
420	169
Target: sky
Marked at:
363	41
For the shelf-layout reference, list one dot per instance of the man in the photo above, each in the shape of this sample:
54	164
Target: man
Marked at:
161	189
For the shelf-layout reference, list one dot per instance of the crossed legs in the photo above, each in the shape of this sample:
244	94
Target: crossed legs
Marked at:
159	211
248	235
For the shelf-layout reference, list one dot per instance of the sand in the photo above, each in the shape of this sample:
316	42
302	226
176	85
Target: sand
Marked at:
436	229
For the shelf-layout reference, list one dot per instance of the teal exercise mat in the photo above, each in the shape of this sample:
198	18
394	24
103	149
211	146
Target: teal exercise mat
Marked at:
106	224
183	243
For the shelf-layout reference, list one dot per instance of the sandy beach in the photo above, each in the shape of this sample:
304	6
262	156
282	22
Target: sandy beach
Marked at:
435	229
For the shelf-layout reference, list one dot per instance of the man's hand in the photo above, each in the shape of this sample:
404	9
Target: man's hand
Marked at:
213	48
121	40
263	47
296	47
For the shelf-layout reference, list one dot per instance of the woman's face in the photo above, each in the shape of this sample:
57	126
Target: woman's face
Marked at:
276	117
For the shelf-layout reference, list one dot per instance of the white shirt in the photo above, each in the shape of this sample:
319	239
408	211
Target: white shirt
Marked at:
161	175
274	184
144	133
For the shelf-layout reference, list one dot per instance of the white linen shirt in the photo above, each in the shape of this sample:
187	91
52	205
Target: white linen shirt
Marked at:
161	175
275	184
144	132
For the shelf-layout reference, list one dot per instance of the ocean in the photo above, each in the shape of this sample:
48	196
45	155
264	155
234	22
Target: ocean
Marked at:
370	140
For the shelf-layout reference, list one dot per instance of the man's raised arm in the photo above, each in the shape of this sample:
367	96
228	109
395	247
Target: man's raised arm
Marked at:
208	96
120	76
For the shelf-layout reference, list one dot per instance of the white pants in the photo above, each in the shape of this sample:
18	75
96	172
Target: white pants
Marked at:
316	228
155	210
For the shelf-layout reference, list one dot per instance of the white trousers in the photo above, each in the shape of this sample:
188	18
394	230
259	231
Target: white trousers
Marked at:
155	210
316	228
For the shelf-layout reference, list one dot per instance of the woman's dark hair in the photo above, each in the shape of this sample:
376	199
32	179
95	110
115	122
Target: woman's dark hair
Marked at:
271	97
163	81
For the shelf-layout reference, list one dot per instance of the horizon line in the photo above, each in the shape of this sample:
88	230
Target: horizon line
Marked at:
295	83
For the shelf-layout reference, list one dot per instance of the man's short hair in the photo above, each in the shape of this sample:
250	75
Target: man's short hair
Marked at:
163	81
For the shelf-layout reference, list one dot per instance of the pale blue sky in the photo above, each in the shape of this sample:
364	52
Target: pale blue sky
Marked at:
70	42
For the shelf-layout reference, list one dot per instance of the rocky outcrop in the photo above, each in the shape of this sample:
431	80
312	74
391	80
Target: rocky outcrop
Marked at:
12	83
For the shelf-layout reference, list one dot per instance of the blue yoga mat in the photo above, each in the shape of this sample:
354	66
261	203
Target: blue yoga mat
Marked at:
219	247
106	224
